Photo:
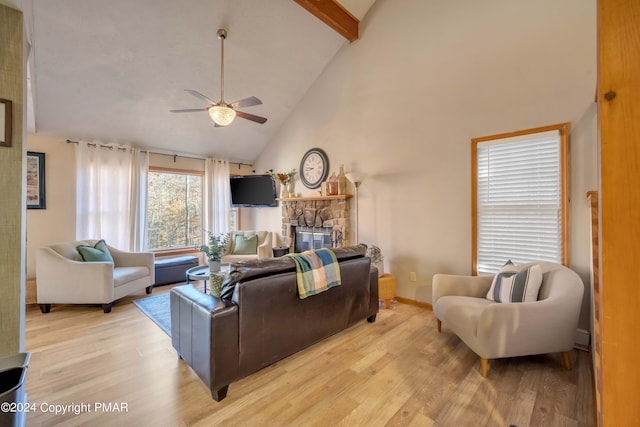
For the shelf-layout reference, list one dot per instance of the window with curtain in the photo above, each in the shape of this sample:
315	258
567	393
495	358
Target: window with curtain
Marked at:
520	198
174	209
111	194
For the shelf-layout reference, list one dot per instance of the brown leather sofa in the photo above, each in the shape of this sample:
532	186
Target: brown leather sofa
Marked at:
260	318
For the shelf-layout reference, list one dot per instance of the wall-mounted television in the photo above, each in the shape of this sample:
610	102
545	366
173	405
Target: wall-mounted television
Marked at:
253	191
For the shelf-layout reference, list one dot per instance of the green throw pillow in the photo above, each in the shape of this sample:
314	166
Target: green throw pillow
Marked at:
96	253
245	245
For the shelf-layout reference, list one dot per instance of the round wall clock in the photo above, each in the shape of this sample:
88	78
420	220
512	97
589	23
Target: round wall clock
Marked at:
314	168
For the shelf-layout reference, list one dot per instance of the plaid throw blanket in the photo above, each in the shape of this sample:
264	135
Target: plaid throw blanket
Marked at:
316	271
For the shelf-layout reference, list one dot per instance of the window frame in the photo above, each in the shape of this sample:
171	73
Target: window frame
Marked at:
178	171
563	129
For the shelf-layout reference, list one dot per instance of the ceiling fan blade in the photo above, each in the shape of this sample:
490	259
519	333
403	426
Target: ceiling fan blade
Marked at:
189	110
247	102
251	117
201	96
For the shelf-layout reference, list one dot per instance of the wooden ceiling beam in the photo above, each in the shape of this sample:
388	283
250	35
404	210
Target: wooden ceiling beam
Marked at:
335	16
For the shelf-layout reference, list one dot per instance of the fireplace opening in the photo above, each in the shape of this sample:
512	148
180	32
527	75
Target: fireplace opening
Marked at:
308	238
315	222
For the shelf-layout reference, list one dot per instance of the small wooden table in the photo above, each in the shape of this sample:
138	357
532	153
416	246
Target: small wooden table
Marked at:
386	289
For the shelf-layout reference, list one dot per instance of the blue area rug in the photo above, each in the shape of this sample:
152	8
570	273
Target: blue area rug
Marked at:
158	309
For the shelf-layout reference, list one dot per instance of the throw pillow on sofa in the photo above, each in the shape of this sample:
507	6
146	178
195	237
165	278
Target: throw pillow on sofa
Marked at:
244	245
513	285
96	253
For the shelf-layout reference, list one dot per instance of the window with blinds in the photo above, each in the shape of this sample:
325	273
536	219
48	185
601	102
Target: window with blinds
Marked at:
520	199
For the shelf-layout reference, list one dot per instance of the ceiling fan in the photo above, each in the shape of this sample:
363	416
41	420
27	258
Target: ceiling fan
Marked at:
222	113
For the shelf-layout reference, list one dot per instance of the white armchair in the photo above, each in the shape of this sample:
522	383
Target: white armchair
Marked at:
496	330
63	278
264	247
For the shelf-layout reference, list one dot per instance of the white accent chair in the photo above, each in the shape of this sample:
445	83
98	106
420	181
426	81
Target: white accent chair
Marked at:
495	330
264	249
63	278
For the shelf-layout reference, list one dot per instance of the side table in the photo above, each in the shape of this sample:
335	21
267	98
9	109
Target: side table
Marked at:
387	289
202	272
279	251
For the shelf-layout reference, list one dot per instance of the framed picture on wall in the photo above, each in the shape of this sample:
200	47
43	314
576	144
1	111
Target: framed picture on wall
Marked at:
35	181
5	123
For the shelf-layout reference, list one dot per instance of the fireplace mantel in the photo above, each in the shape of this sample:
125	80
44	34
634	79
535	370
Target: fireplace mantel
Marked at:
307	198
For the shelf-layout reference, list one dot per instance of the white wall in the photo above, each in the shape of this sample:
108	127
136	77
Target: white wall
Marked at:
56	223
403	103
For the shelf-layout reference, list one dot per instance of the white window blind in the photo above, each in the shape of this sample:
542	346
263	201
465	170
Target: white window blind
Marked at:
519	200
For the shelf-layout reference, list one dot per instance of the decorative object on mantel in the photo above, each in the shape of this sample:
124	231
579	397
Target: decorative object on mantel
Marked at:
356	179
342	181
217	246
291	186
333	185
314	168
286	181
375	254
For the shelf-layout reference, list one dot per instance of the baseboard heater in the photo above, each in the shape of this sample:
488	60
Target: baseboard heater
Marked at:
583	339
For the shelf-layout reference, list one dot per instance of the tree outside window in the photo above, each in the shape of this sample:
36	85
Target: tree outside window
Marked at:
174	209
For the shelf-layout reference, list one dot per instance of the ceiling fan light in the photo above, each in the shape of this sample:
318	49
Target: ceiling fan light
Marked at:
222	115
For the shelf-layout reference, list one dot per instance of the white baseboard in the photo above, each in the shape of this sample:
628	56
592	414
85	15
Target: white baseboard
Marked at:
583	339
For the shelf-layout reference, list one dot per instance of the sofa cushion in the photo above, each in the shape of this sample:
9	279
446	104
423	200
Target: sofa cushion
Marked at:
513	285
461	313
245	245
123	275
262	236
96	253
254	269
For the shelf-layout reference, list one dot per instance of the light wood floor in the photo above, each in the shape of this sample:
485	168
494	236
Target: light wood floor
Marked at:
397	371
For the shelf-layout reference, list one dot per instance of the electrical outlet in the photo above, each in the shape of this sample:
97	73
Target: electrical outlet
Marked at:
412	276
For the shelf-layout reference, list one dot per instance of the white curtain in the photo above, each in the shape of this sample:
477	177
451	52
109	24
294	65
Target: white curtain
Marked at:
217	195
138	200
111	195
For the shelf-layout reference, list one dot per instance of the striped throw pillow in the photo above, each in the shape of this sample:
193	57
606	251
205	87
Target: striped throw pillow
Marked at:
511	285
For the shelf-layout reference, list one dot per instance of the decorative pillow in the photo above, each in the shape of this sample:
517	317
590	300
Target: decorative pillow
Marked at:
96	253
244	245
511	285
216	280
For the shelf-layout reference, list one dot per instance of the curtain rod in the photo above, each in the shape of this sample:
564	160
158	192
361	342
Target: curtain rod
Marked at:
93	144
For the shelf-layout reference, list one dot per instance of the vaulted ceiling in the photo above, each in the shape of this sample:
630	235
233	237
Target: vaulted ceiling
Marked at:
112	70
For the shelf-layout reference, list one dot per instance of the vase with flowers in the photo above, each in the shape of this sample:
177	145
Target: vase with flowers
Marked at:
286	182
215	249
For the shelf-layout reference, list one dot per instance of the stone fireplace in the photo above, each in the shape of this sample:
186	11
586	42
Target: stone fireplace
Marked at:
315	222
